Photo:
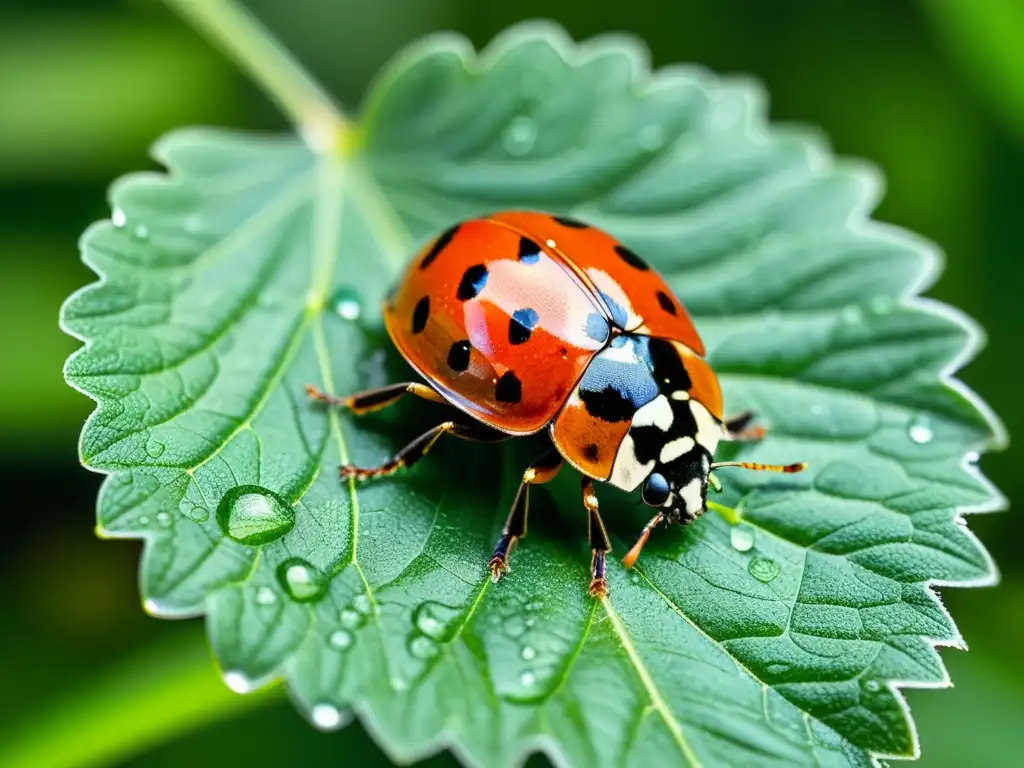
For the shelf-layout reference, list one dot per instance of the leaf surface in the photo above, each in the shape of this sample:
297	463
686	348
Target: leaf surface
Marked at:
232	282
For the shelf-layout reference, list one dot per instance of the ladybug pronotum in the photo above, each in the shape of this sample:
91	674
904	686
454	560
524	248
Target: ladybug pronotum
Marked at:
524	321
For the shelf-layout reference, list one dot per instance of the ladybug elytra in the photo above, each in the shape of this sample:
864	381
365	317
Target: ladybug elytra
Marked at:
526	321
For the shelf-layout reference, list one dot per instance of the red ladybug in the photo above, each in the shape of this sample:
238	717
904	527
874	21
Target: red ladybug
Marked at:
527	321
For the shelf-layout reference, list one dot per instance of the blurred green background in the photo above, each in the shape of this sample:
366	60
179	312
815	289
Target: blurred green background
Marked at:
932	91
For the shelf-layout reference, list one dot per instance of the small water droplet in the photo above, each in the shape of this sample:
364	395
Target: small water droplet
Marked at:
634	578
423	648
302	581
520	135
399	683
362	604
340	639
527	679
351	619
250	514
872	686
238	682
199	514
434	619
514	626
763	569
534	606
326	717
154	449
817	409
193	224
851	314
651	137
126	478
117	218
742	538
141	232
164	519
143	521
265	596
777	668
345	303
529	653
920	431
530	622
882	304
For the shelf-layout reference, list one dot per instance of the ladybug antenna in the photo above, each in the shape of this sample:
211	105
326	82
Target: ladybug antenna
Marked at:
630	559
800	467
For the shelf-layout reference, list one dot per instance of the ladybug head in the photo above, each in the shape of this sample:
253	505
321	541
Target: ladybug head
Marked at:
678	490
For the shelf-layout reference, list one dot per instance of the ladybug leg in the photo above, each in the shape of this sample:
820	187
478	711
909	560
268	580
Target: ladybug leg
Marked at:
541	471
418	448
375	399
600	544
738	428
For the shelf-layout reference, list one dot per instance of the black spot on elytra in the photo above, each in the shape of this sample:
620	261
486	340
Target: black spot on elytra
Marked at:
529	251
565	221
458	355
590	452
420	314
521	325
473	281
608	404
509	388
597	327
631	258
666	302
439	245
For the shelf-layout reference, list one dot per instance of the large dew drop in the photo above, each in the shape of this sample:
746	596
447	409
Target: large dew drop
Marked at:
303	582
253	515
742	538
763	569
435	620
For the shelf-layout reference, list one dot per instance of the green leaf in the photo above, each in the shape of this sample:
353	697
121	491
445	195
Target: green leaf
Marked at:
232	282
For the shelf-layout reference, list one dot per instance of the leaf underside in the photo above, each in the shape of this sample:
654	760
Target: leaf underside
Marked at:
230	283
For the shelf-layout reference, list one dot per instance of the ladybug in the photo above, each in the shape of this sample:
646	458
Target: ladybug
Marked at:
527	322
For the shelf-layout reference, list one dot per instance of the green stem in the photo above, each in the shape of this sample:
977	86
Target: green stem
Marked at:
242	37
163	692
730	515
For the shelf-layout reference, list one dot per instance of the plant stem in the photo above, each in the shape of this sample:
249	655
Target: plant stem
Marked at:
730	515
163	692
317	118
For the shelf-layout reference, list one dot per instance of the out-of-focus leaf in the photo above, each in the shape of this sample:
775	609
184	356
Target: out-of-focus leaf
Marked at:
229	284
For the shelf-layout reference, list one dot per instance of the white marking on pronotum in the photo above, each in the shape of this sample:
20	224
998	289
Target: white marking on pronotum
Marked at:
627	472
709	432
678	447
692	496
657	413
681	394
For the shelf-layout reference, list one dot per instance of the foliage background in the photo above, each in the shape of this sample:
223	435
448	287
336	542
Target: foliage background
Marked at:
932	91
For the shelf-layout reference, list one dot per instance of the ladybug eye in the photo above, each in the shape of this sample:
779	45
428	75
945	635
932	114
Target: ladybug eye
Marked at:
656	490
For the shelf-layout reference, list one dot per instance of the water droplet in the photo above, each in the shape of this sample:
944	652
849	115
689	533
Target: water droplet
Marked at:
534	606
345	303
143	521
154	449
193	224
399	684
199	514
514	626
763	569
882	304
164	519
634	578
530	622
520	135
238	682
527	679
651	137
303	582
141	232
851	314
326	717
423	648
778	668
362	604
817	409
742	538
351	619
435	619
250	514
117	218
265	596
529	653
920	431
872	686
340	639
126	478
